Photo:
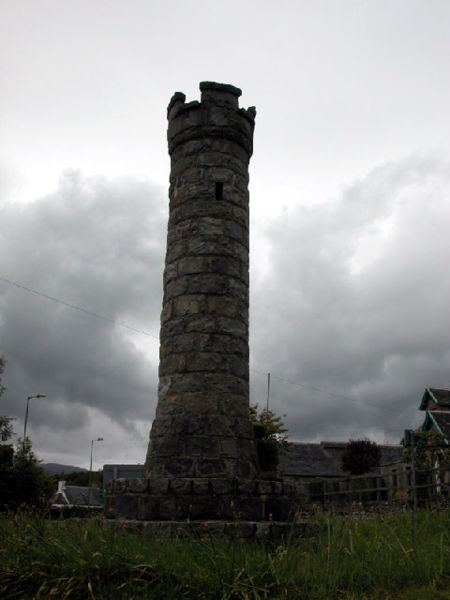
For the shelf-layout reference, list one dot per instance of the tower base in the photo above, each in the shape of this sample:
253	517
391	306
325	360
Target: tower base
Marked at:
194	499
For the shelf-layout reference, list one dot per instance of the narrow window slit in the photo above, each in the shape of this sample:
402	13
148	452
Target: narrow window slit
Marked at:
219	190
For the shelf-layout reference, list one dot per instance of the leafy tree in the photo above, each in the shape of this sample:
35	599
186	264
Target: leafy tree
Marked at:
22	481
6	429
81	478
360	457
271	438
32	485
2	366
430	449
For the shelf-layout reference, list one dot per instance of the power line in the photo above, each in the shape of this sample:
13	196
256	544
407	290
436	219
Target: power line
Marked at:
79	308
129	327
316	389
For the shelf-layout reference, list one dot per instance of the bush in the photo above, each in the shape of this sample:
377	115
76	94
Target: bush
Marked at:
360	457
271	438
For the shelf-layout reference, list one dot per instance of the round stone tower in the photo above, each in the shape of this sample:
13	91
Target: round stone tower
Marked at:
202	427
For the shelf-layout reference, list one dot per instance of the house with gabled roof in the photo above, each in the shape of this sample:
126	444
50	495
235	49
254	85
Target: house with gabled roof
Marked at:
436	405
311	460
75	496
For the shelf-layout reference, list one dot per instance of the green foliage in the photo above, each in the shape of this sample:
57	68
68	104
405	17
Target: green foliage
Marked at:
370	559
2	366
31	484
6	429
429	449
360	457
22	481
271	438
81	478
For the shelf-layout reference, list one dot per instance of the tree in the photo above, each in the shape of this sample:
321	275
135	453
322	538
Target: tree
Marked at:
6	429
82	478
271	438
430	449
360	457
22	481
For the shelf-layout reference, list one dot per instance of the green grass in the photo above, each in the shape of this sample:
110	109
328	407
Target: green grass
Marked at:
395	558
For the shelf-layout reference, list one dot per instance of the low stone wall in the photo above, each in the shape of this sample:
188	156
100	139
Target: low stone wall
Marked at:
179	499
265	531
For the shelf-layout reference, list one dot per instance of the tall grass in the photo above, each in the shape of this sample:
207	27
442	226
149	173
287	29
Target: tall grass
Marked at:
401	557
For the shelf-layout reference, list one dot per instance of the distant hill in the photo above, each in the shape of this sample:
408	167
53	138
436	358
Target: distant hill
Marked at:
56	469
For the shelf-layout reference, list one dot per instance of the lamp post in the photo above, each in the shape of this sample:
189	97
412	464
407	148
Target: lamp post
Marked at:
99	439
26	412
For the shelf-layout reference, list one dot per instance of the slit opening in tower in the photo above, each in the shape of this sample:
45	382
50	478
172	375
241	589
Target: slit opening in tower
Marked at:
219	190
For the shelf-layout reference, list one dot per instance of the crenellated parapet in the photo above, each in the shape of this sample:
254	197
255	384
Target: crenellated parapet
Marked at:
217	115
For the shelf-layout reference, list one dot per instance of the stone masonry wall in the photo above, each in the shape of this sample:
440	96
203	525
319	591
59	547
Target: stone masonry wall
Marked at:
202	427
181	498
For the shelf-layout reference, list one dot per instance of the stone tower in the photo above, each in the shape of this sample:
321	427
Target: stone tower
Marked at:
201	462
202	427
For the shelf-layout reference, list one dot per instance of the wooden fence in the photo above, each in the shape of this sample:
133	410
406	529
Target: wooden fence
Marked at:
400	483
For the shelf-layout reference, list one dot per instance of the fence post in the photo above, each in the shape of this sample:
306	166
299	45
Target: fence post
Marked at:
409	440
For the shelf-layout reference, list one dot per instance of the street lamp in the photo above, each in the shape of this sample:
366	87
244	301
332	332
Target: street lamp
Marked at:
26	412
99	439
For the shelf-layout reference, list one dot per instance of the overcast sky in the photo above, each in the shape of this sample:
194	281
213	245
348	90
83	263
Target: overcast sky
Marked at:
350	209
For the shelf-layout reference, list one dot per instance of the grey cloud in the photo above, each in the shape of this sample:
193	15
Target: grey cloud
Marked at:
369	324
353	301
97	244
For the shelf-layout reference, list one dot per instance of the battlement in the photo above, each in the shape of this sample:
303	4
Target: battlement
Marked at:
220	93
217	115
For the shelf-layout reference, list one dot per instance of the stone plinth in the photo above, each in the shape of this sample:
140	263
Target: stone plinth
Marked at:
200	499
260	531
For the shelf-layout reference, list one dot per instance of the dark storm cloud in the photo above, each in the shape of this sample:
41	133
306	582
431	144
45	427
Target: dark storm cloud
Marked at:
97	244
356	303
349	311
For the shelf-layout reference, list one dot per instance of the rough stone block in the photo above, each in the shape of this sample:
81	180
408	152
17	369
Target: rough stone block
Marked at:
211	226
148	508
188	305
180	485
229	447
159	486
138	485
277	488
223	486
204	507
248	509
202	446
207	283
126	505
277	509
210	466
201	486
247	487
167	508
244	469
172	363
241	530
172	445
179	466
264	487
222	306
